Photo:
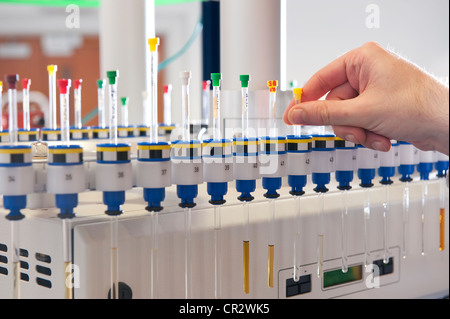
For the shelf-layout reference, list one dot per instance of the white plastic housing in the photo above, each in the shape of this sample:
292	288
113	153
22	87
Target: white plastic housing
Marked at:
65	179
113	177
187	172
406	154
15	181
323	161
246	168
346	159
299	163
154	174
368	158
390	158
273	165
217	170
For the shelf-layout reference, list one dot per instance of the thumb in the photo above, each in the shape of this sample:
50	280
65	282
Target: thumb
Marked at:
325	112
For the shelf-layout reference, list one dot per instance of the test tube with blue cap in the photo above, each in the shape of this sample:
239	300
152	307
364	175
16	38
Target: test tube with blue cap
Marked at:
273	159
323	164
113	176
346	162
299	148
246	172
65	179
388	162
16	181
187	174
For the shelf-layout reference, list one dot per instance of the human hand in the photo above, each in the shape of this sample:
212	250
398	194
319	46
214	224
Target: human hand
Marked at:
375	96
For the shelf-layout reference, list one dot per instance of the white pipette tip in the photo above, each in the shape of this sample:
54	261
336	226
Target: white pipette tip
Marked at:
185	77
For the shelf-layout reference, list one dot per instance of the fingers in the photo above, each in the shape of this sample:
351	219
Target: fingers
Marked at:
366	138
325	112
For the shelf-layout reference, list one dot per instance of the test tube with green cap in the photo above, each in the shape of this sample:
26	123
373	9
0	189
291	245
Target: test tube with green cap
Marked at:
216	78
112	78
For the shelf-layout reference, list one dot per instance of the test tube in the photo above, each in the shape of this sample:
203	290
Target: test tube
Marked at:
12	107
273	107
101	103
185	80
112	76
167	104
297	99
205	101
124	109
273	134
64	87
77	103
153	43
26	103
145	110
442	165
52	96
216	77
245	204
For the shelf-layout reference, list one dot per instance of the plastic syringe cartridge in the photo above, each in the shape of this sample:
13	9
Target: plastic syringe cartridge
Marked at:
323	161
12	80
346	163
442	164
113	175
217	168
26	134
78	131
65	177
51	132
426	164
388	162
246	166
154	172
273	163
299	150
16	178
368	163
187	170
407	161
102	130
124	129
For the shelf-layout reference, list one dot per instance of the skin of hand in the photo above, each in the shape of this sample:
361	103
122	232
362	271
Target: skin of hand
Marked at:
375	96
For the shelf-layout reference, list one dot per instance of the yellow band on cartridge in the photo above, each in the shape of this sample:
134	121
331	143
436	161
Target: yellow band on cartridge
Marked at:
65	151
113	149
245	142
15	151
300	141
153	147
217	144
187	145
319	138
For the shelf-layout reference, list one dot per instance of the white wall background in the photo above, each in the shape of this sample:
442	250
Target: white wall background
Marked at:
317	32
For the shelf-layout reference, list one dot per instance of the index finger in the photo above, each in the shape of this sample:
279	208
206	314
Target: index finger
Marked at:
326	79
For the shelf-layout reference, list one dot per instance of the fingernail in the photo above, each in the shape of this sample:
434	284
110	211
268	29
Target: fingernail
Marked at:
378	146
297	116
351	138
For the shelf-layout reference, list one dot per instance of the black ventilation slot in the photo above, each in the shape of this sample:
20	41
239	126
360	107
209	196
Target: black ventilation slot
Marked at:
44	270
24	265
3	271
44	282
3	248
23	253
43	258
3	259
24	277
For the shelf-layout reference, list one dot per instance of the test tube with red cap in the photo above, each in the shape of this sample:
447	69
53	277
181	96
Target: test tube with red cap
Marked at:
205	101
167	105
64	87
12	80
77	102
26	103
